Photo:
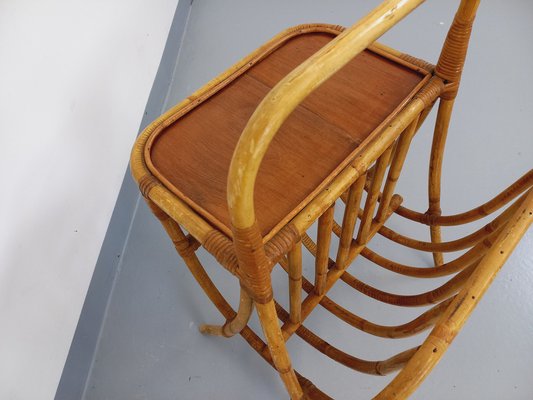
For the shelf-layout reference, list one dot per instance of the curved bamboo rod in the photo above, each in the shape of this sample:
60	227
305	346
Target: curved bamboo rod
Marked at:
458	312
421	323
443	292
504	197
460	263
237	323
449	268
289	92
381	368
453	245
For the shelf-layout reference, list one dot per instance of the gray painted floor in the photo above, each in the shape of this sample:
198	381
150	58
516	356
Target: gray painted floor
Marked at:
149	346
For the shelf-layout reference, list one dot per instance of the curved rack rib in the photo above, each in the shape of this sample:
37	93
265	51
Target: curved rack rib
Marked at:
443	292
383	367
504	197
454	245
424	321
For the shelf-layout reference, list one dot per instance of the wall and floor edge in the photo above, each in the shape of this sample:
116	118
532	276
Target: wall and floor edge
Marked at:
81	354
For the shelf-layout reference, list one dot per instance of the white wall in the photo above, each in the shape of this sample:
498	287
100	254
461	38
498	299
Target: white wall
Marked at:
74	79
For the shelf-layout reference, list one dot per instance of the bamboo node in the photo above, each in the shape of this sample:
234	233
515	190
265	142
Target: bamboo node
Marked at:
146	183
432	217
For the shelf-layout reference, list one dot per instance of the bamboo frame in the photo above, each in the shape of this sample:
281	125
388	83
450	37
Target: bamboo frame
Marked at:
374	166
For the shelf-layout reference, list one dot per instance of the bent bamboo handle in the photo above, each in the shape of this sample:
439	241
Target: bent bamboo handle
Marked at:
291	91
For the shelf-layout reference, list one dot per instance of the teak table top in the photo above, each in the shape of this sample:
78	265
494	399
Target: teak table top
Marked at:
192	155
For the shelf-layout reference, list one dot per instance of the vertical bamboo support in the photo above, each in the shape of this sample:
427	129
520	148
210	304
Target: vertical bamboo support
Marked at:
295	283
435	171
450	69
351	212
276	344
400	152
255	267
325	226
373	195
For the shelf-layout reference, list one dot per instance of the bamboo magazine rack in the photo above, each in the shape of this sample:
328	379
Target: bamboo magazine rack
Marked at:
318	118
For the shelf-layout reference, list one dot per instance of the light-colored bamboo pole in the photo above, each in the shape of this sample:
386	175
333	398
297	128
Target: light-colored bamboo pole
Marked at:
295	283
325	224
501	199
372	197
435	171
453	245
400	152
276	344
235	325
348	222
434	296
460	309
383	367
